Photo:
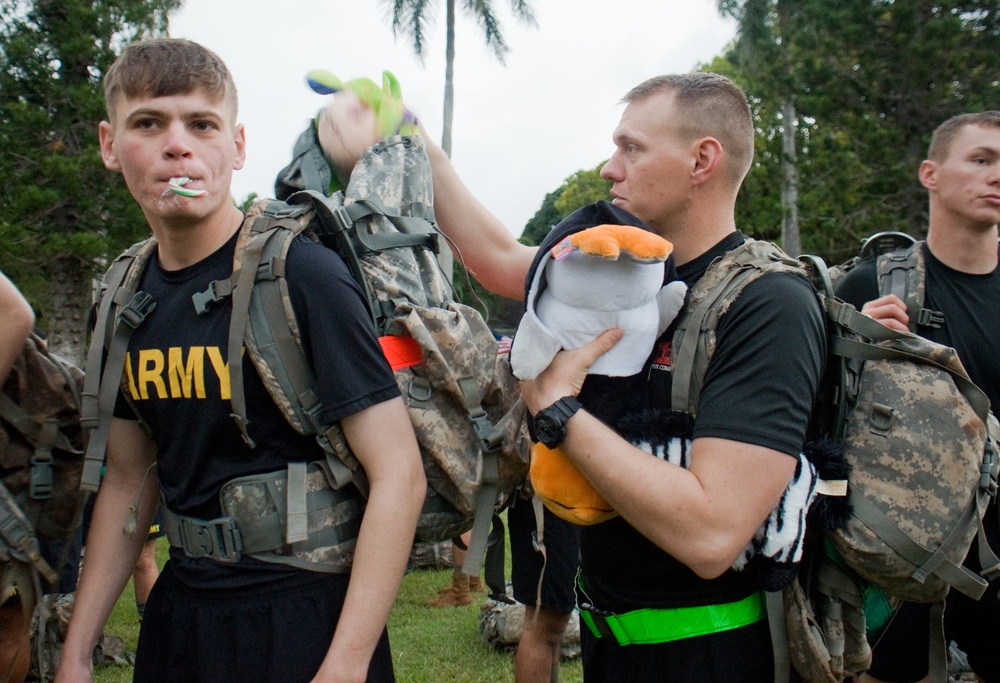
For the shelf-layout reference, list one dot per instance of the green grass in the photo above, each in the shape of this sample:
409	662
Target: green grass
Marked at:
429	645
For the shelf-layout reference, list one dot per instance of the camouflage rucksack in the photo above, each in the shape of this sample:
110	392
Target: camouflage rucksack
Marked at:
501	624
900	270
921	444
49	626
41	457
461	396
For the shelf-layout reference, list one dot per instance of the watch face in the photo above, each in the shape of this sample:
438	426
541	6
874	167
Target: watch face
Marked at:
550	429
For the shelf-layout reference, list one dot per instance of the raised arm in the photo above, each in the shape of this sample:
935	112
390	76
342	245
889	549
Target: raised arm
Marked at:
497	260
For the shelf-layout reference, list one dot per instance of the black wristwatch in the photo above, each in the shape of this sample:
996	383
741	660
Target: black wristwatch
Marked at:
550	423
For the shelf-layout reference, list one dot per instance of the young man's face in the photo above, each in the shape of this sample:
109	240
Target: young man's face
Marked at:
966	184
651	164
154	139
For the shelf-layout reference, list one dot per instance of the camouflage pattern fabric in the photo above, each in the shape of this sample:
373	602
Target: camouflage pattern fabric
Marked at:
41	460
916	448
40	411
501	624
258	503
431	555
48	632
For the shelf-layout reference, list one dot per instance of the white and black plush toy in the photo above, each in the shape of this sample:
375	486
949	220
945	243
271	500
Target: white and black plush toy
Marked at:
600	268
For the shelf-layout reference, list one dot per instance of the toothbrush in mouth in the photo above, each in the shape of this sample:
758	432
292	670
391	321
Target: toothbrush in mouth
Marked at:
176	185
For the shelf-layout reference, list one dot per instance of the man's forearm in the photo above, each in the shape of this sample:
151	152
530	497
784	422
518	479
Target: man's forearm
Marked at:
111	555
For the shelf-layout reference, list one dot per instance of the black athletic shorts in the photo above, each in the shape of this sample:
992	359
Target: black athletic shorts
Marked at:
900	653
740	655
277	635
562	548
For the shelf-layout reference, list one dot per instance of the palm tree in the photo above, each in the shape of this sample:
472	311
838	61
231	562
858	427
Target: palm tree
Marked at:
413	17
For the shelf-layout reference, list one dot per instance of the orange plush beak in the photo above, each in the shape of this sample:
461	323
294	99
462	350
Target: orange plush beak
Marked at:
563	489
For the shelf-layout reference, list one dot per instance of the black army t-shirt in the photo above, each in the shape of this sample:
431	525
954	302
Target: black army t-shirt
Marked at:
759	389
177	374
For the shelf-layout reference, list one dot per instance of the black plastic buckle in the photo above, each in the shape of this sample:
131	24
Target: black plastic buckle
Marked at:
42	476
203	300
599	619
490	438
928	318
135	311
219	539
987	479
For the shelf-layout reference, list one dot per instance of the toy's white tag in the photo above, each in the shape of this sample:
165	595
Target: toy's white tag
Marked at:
832	487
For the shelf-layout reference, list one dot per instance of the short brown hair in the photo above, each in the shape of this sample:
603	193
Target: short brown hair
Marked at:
712	105
162	67
945	134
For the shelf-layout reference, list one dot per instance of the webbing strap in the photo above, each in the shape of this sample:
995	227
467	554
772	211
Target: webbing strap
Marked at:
413	231
297	521
903	273
138	306
690	357
101	383
927	561
779	636
851	348
247	271
937	662
31	429
17	534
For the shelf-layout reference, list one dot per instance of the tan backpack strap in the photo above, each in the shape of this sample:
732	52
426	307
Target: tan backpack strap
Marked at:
904	274
693	341
779	636
247	260
111	333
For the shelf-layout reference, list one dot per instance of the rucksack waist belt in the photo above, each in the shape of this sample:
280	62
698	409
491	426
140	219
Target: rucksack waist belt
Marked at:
299	519
648	626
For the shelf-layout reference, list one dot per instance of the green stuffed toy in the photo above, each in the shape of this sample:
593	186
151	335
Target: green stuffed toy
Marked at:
360	115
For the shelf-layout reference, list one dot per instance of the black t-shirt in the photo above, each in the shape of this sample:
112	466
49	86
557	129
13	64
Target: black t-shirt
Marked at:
759	389
178	376
971	325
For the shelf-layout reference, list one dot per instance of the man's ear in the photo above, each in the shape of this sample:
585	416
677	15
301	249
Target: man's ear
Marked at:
106	135
707	159
927	174
241	147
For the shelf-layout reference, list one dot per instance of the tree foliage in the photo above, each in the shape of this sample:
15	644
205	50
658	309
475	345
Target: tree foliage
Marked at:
66	213
870	80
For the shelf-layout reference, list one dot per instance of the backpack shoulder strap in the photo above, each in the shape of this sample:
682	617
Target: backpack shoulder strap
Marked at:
264	320
693	342
120	310
904	274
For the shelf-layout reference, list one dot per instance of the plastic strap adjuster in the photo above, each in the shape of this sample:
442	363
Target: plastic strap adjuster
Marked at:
928	318
135	311
219	539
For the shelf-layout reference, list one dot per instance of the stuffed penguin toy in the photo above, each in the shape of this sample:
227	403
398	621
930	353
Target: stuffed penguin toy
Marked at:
599	268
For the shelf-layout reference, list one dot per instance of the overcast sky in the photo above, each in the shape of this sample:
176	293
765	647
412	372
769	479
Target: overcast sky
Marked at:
519	130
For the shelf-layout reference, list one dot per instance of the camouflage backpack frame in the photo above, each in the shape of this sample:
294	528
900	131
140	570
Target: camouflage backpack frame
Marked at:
460	394
909	420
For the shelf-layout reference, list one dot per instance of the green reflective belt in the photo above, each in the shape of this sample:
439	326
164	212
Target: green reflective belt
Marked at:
647	626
